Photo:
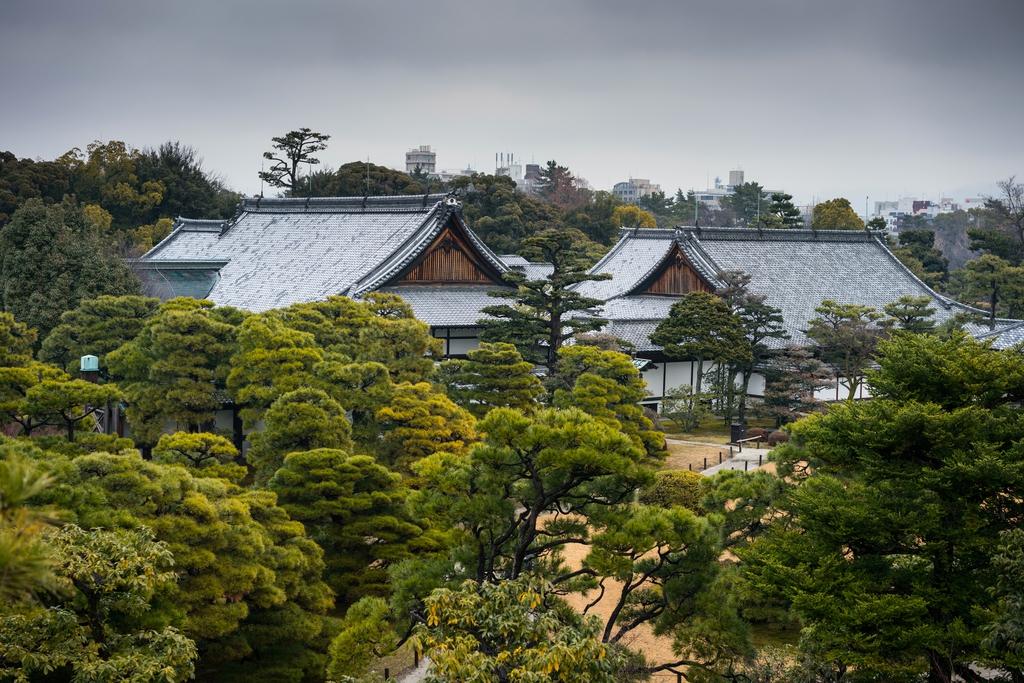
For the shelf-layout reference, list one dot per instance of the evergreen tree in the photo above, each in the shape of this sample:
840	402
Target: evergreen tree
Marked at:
494	376
249	589
67	402
51	259
355	510
606	385
293	149
792	376
782	208
836	214
96	327
846	336
420	421
541	310
177	367
886	554
209	455
748	202
911	314
300	420
701	327
272	359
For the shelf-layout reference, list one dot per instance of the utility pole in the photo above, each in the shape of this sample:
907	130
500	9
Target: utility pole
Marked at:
758	207
696	209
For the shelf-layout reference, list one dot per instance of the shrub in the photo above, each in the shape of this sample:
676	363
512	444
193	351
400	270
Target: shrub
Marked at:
777	438
675	487
757	432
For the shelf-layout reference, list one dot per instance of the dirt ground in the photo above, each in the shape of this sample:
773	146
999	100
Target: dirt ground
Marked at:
685	456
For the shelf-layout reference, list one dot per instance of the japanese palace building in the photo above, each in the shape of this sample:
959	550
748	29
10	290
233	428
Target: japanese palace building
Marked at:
275	252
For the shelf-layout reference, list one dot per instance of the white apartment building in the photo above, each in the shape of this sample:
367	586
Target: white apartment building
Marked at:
421	157
633	189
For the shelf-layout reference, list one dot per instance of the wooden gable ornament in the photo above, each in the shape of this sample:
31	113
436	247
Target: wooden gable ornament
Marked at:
450	259
675	276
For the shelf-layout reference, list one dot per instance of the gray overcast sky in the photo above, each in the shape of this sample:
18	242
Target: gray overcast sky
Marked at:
821	98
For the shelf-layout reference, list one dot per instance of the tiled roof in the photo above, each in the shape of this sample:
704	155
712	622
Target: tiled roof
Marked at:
283	251
1006	338
794	269
449	306
532	271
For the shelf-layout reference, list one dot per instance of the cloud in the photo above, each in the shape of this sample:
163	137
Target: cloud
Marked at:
818	97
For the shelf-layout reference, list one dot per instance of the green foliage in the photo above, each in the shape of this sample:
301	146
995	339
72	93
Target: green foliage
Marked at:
836	214
366	634
68	402
1006	631
792	375
293	149
747	202
990	282
512	631
249	591
633	217
606	385
784	213
701	327
25	179
675	487
350	180
25	563
211	455
300	420
494	376
954	373
96	327
539	309
846	336
911	314
420	421
380	329
176	368
686	408
51	259
272	359
96	630
354	509
999	228
888	554
920	245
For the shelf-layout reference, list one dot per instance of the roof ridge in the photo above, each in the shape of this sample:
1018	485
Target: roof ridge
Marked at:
417	203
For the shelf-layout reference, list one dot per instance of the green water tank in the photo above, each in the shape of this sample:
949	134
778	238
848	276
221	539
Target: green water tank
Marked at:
90	364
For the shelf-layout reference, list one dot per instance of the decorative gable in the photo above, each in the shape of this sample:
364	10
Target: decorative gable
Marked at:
450	259
675	276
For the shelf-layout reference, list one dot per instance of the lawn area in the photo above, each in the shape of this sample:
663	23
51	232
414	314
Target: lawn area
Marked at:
763	635
713	431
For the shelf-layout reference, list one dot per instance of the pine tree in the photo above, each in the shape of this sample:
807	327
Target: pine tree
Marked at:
301	420
176	369
96	327
783	209
345	501
541	310
420	421
494	376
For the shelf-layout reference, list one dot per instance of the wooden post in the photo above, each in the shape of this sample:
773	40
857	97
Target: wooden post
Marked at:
719	457
745	463
730	452
758	459
416	658
690	465
387	673
705	462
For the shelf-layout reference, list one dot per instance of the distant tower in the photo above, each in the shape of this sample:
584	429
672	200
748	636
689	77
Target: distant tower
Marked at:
420	157
735	178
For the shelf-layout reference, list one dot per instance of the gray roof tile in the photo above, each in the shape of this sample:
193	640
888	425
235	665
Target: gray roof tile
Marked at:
794	269
283	251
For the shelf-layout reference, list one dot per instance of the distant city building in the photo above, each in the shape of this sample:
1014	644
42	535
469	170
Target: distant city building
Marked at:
447	174
422	158
633	189
735	178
